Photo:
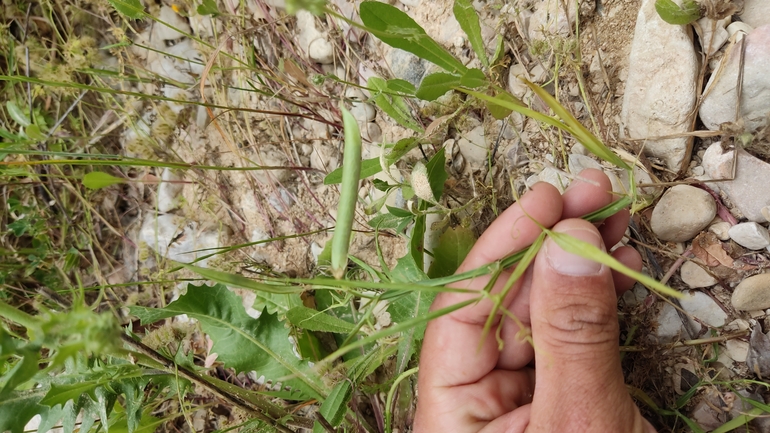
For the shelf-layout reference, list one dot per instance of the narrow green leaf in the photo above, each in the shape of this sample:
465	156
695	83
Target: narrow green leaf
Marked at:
393	105
369	167
399	30
473	79
334	407
672	13
314	320
437	84
242	342
401	86
574	127
131	8
346	208
466	15
100	179
587	250
17	114
437	174
453	245
234	280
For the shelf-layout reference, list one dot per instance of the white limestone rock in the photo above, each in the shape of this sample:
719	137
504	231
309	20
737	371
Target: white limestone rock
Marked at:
177	239
670	326
705	309
661	87
756	13
750	235
473	146
748	191
165	32
549	19
721	92
169	191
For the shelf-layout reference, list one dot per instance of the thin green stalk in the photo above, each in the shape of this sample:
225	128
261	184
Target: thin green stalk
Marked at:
15	315
392	393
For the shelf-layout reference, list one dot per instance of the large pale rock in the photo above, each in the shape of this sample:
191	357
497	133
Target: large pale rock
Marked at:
719	105
756	13
178	239
682	213
172	24
750	235
661	87
670	325
473	146
700	305
748	191
753	293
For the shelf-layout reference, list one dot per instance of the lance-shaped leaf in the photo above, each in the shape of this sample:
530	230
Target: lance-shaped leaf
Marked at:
242	342
399	30
466	15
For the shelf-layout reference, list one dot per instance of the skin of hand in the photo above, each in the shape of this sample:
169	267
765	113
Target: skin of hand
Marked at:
570	303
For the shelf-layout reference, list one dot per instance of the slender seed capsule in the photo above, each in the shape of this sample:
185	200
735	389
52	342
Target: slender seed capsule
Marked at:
351	174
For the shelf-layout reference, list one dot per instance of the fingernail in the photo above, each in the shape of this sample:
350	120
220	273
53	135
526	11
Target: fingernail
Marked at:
566	263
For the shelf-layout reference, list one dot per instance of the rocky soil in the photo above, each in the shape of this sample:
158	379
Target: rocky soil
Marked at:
688	105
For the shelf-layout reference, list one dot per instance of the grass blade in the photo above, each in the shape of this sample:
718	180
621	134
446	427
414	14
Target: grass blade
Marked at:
466	15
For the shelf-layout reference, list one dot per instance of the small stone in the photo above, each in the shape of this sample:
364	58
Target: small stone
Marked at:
661	88
473	146
752	294
407	66
695	276
718	106
737	349
705	309
315	43
750	235
739	26
721	229
363	112
756	13
578	163
682	213
748	190
373	133
515	85
712	33
670	326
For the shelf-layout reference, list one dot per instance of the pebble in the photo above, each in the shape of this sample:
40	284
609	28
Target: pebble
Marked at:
555	178
739	26
315	43
661	86
712	32
670	326
752	294
750	235
578	163
169	191
695	276
473	146
702	307
406	66
363	112
718	106
737	349
372	132
682	213
515	85
755	13
721	229
748	190
549	19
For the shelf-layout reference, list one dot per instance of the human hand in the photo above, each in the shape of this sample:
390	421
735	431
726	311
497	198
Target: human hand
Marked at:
570	303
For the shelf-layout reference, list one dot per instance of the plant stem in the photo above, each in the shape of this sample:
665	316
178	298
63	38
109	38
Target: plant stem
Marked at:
15	315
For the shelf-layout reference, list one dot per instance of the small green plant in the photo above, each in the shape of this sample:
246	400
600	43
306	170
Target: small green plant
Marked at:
672	13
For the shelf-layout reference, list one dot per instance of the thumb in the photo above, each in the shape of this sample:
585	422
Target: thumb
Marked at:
573	308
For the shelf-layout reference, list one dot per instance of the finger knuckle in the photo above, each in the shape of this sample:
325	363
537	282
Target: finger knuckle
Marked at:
575	319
